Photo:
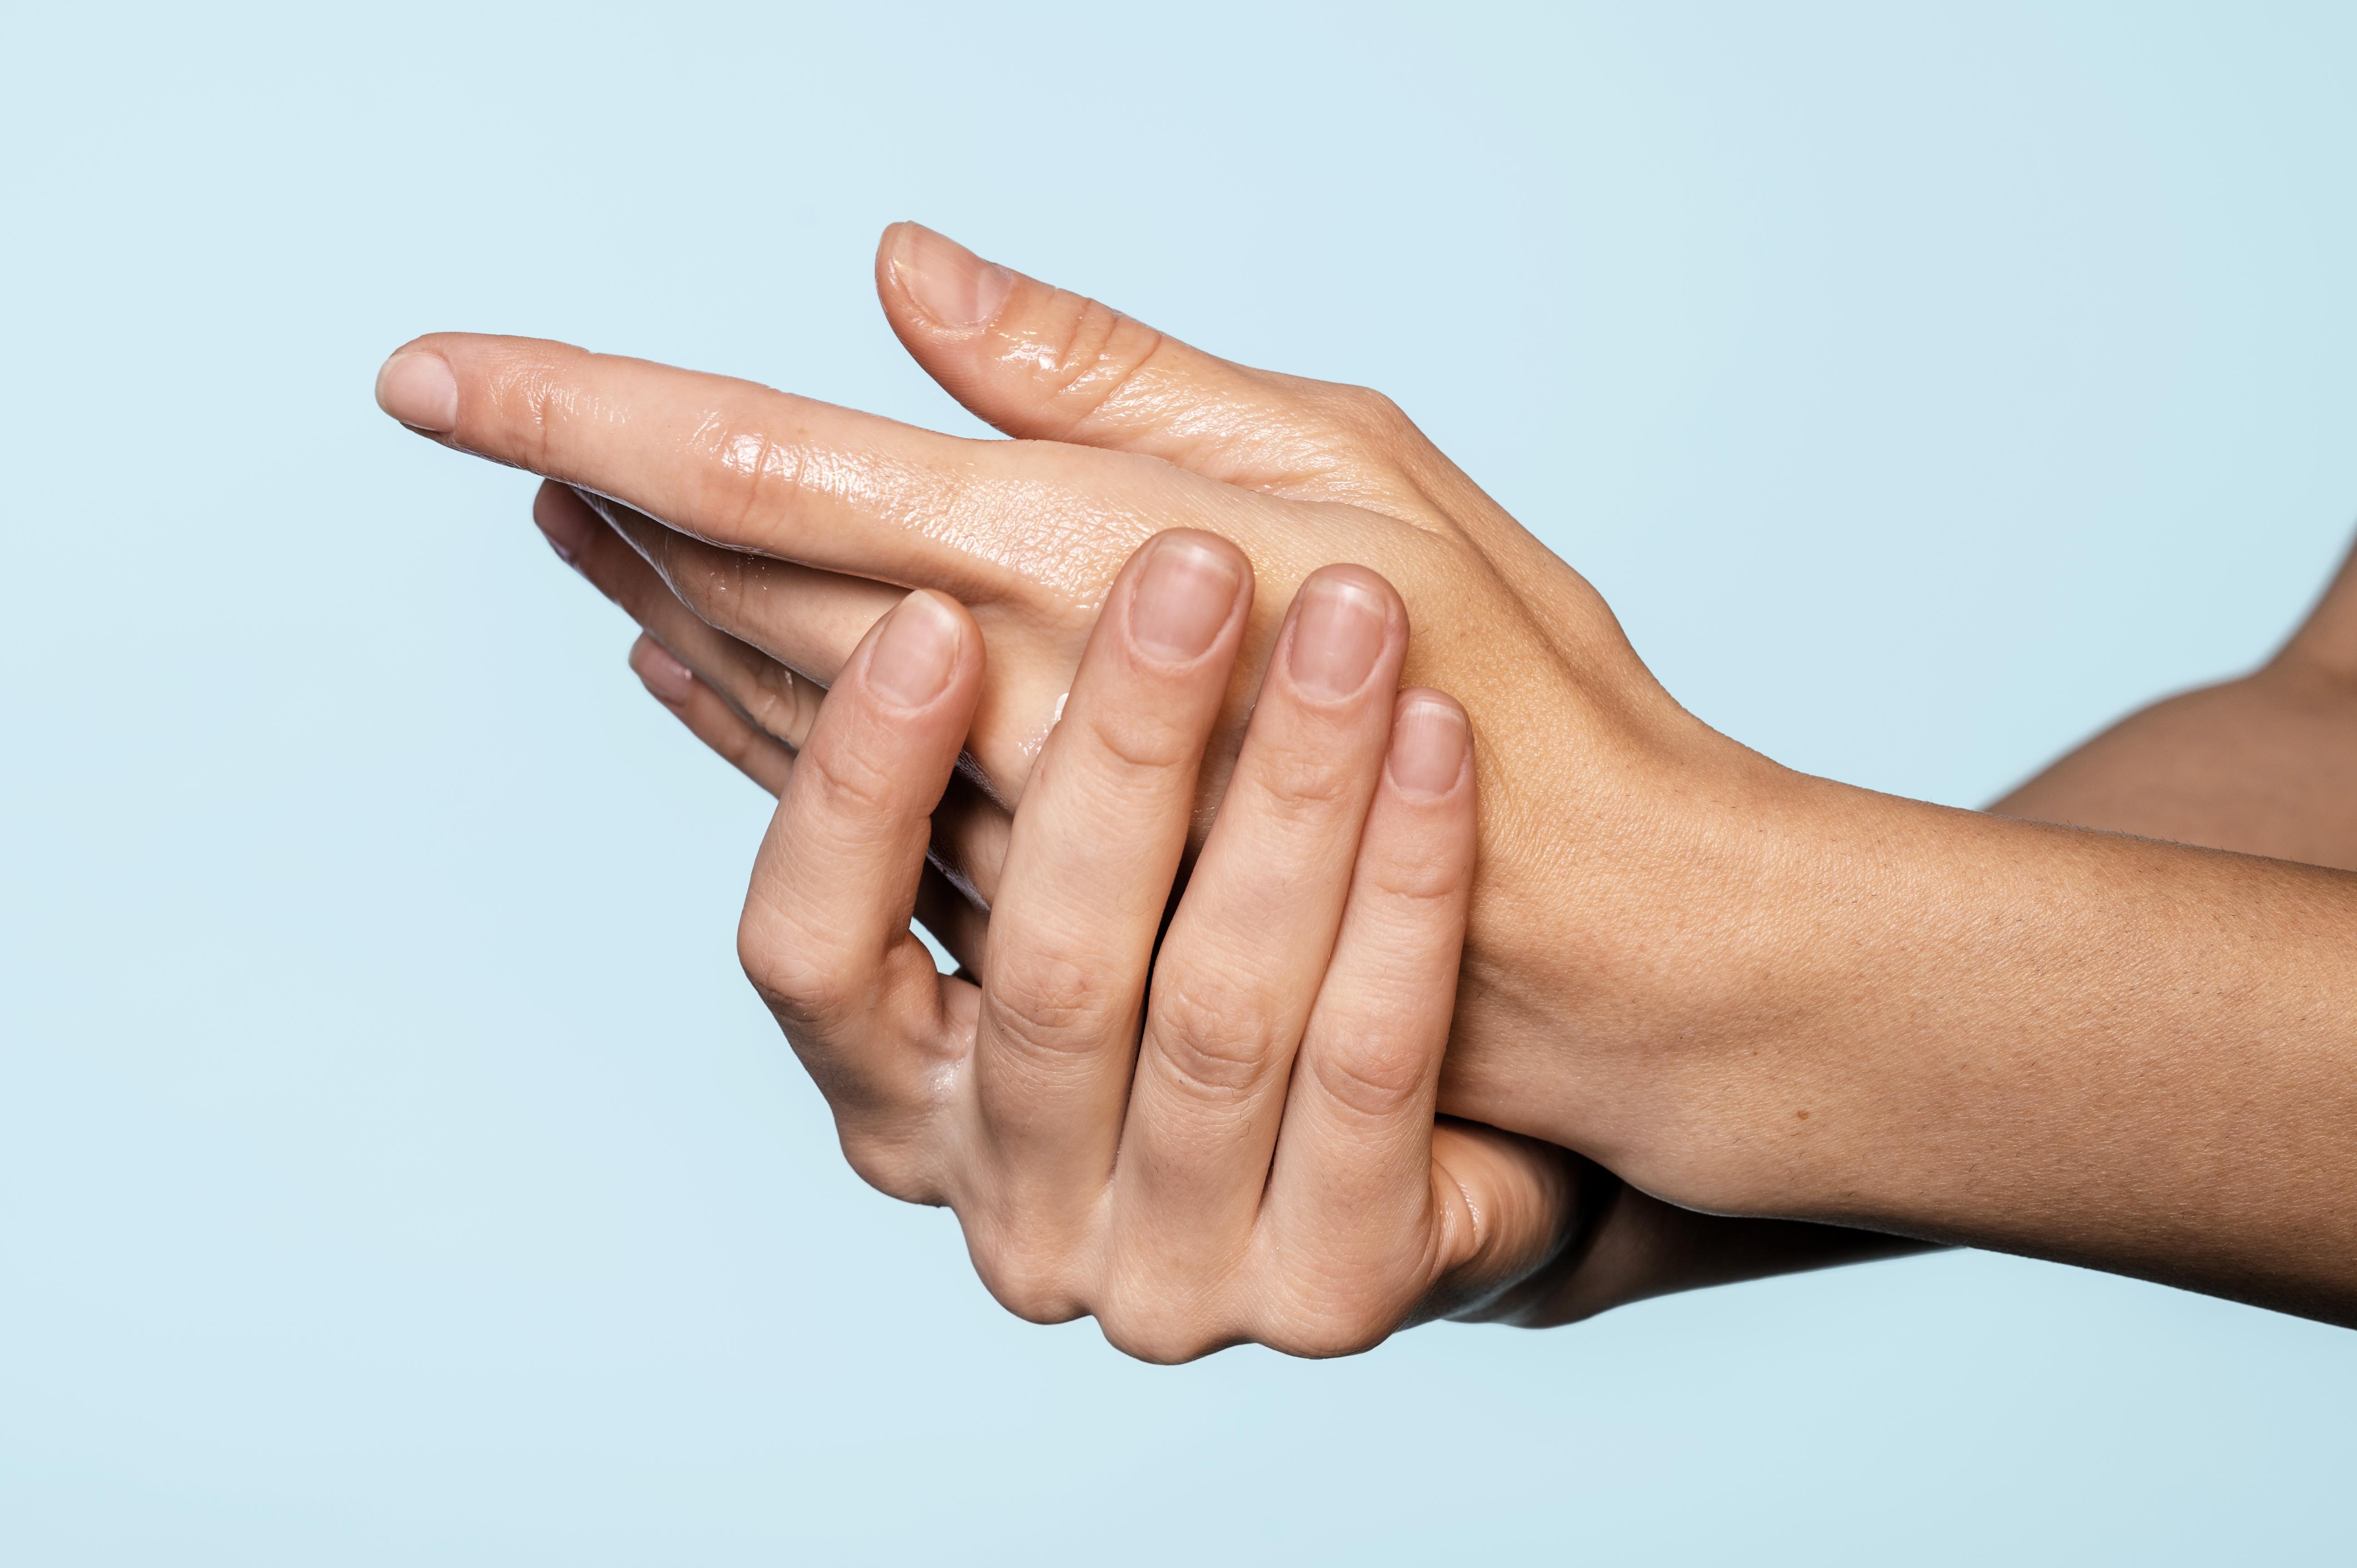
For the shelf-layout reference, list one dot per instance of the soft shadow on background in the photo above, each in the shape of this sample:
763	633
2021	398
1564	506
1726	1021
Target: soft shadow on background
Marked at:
394	1166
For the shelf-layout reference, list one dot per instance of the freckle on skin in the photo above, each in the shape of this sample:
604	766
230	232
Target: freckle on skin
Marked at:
1801	1114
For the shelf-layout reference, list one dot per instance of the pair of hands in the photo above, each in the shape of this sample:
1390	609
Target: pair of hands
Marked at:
782	519
1644	887
764	635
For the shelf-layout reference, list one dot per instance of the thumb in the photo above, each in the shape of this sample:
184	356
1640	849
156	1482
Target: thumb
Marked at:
1041	362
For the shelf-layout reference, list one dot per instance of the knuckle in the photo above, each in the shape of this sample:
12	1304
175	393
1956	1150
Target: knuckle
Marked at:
888	1165
846	787
754	478
1373	415
1327	1338
1089	355
1158	1336
808	995
1137	738
536	392
1051	999
1028	1280
528	398
770	477
1377	1079
1320	1314
1422	876
1215	1036
1300	785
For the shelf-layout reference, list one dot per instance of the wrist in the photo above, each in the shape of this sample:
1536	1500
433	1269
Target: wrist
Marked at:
1728	1010
1629	935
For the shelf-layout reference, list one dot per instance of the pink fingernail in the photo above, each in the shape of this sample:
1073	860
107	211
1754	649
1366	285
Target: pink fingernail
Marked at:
913	657
1428	745
951	283
418	389
564	521
1338	634
671	681
1182	599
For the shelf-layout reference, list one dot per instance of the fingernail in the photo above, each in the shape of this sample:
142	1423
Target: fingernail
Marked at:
913	657
564	521
667	678
1182	600
1338	634
1429	741
419	390
951	283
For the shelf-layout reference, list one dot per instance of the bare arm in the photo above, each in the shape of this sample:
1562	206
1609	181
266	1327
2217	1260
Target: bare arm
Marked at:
1742	989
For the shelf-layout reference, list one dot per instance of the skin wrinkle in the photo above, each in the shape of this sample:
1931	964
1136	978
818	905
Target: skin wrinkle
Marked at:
1747	956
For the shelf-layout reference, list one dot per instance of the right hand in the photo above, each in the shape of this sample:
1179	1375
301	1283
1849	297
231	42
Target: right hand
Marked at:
1614	825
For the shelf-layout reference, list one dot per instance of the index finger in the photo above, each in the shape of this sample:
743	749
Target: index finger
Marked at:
752	468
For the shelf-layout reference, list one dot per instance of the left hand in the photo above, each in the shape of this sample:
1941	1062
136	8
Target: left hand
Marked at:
1246	1150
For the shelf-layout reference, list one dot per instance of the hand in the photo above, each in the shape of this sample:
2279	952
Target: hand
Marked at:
772	506
1628	1247
1246	1149
1739	988
2266	764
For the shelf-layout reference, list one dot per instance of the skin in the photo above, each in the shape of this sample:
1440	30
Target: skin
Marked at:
1742	989
1245	1149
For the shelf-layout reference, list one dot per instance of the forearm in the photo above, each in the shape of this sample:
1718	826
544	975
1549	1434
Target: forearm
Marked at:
2130	1055
1643	977
2264	765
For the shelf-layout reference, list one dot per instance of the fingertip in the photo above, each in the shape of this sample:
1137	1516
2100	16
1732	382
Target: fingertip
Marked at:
1184	588
417	387
565	519
1344	621
919	651
937	281
1362	579
667	680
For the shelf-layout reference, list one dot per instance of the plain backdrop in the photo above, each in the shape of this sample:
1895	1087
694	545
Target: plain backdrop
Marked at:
394	1166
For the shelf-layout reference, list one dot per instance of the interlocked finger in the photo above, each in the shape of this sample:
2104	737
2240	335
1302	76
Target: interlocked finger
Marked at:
947	905
756	754
1355	1169
1248	946
774	698
1089	869
825	934
806	619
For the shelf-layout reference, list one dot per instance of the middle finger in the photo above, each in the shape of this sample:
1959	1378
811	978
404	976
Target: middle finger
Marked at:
1089	867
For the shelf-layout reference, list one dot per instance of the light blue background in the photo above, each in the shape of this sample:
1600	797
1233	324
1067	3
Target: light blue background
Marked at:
393	1166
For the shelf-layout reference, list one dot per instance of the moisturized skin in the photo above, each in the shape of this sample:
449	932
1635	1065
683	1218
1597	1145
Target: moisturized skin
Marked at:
1246	1150
1742	989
